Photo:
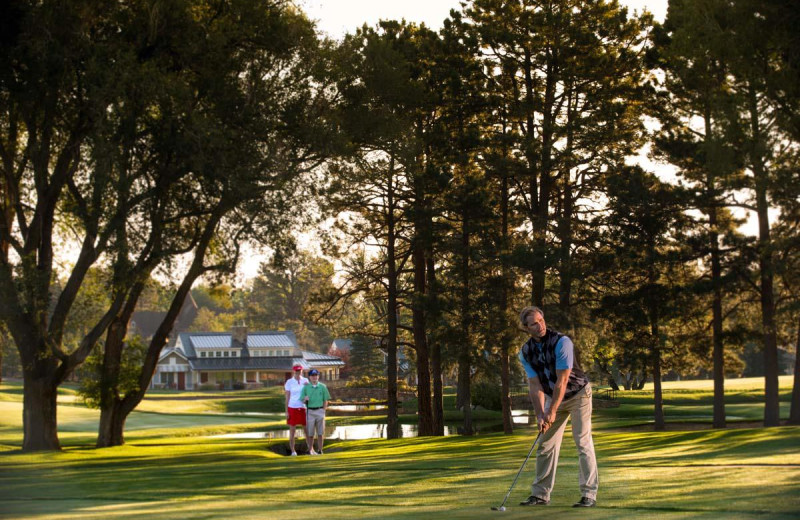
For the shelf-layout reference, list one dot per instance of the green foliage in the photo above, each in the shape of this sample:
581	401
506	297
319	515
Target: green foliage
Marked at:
366	359
293	291
209	321
9	356
216	297
131	361
377	382
487	394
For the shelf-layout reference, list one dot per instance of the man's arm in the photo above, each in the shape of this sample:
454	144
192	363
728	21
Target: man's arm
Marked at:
326	399
562	377
537	399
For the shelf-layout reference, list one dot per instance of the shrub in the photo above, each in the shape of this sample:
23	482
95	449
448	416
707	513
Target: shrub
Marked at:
487	395
377	382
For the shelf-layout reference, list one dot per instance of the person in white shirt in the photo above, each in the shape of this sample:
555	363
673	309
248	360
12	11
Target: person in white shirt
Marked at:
295	409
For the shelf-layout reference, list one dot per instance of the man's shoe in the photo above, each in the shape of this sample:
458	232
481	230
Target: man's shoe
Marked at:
312	452
534	501
585	502
294	454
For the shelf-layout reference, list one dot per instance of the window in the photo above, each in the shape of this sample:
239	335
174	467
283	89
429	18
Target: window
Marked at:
226	354
234	353
202	354
219	354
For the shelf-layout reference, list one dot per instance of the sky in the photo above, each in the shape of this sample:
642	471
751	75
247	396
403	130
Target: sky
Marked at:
337	17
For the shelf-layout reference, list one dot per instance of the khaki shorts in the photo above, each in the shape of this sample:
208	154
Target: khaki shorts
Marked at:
316	422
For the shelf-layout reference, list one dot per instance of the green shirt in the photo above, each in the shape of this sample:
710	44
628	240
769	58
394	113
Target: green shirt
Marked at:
317	395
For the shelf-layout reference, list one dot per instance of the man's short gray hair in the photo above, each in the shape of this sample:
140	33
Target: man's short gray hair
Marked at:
527	311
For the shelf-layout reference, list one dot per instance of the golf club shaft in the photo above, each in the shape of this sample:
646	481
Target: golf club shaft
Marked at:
521	468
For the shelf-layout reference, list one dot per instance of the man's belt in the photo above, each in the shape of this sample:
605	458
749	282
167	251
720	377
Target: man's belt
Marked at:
314	408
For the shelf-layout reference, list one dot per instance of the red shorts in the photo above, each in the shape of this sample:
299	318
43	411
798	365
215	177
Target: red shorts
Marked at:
297	417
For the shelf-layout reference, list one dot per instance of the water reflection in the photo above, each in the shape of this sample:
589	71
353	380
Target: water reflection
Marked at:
357	407
366	431
349	432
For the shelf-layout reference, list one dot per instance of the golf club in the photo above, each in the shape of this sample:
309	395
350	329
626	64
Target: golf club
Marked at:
502	507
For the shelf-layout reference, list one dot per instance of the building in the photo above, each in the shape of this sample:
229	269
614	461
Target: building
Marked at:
236	359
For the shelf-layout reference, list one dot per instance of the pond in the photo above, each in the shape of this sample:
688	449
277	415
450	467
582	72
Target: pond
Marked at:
378	430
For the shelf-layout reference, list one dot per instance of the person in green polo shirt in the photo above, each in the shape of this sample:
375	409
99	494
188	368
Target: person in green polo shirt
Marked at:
316	397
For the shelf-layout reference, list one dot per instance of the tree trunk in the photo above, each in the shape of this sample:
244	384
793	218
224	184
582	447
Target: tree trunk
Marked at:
794	412
505	388
436	353
658	399
39	418
760	174
653	303
464	388
719	349
112	426
716	274
464	361
392	421
424	411
505	336
564	231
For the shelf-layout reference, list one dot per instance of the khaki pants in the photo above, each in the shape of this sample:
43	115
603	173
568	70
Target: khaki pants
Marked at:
579	407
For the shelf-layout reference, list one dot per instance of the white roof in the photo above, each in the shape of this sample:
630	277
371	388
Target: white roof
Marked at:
269	340
223	341
253	340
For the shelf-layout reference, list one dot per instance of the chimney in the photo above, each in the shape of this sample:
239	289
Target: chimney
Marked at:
239	334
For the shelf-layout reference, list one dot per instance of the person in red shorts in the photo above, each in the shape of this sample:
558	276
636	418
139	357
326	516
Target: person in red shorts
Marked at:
295	409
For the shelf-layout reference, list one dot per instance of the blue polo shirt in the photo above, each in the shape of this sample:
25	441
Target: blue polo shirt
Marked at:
565	356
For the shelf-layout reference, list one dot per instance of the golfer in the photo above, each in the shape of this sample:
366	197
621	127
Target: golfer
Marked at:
315	395
295	409
559	390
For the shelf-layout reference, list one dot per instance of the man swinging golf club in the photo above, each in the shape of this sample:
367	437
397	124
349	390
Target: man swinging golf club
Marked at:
559	390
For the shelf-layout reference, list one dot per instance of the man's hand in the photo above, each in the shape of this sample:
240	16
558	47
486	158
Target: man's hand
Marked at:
546	420
550	416
541	421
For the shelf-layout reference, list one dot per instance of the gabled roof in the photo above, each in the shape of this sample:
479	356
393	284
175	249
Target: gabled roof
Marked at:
169	351
191	341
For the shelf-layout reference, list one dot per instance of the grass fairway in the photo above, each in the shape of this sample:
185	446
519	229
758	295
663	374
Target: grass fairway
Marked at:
168	470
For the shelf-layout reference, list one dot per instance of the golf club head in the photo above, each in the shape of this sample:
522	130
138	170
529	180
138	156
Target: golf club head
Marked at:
501	508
